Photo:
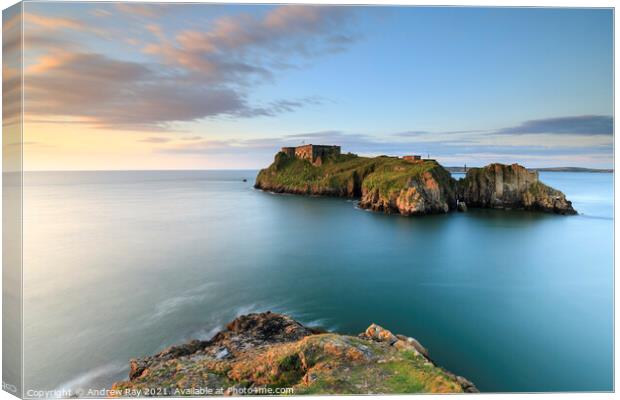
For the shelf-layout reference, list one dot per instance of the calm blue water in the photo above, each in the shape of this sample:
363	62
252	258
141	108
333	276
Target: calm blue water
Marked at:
123	264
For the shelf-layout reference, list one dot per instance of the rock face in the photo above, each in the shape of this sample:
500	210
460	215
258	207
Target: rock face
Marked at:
271	353
423	194
418	187
510	187
387	184
247	331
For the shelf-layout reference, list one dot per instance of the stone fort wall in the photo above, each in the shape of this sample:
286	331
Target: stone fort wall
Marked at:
312	152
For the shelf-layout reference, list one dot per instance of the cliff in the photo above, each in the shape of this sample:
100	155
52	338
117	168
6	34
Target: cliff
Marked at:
387	184
271	353
509	187
394	185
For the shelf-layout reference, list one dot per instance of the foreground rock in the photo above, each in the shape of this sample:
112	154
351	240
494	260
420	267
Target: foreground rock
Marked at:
412	187
271	353
510	187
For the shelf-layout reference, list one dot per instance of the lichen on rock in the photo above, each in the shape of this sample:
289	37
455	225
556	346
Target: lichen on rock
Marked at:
270	351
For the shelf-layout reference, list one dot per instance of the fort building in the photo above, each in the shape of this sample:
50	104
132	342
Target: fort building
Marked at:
412	158
315	153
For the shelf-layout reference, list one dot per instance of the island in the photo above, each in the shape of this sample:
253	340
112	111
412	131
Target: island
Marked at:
409	185
271	354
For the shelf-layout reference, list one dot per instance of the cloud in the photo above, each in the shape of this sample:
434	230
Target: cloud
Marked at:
11	96
575	125
285	28
353	142
119	94
12	67
195	74
43	34
11	21
36	23
155	139
101	12
54	23
418	133
123	95
109	93
29	144
278	107
244	47
357	141
473	150
231	146
142	10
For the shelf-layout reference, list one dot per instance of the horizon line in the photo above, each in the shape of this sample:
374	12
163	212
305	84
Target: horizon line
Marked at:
256	169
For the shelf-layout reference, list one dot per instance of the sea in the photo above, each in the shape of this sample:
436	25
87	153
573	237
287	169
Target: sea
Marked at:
122	264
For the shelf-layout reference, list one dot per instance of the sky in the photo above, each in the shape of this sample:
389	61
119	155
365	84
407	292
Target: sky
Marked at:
204	86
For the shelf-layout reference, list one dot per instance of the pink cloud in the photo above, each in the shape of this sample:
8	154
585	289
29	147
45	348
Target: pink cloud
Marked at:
195	74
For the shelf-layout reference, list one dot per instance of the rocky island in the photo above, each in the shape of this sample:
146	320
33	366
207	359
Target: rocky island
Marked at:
409	185
270	353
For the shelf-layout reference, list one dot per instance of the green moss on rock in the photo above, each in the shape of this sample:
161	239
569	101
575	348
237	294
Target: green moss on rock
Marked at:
275	352
388	184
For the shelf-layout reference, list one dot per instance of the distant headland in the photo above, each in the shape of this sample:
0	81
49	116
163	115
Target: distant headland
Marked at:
548	169
409	185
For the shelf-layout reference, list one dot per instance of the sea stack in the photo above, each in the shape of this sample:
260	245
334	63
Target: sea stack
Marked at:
510	187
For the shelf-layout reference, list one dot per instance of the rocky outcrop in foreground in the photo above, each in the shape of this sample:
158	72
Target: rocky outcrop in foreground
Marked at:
510	187
270	353
418	187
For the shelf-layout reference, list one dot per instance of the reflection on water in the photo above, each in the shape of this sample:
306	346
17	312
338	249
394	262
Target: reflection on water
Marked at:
123	264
